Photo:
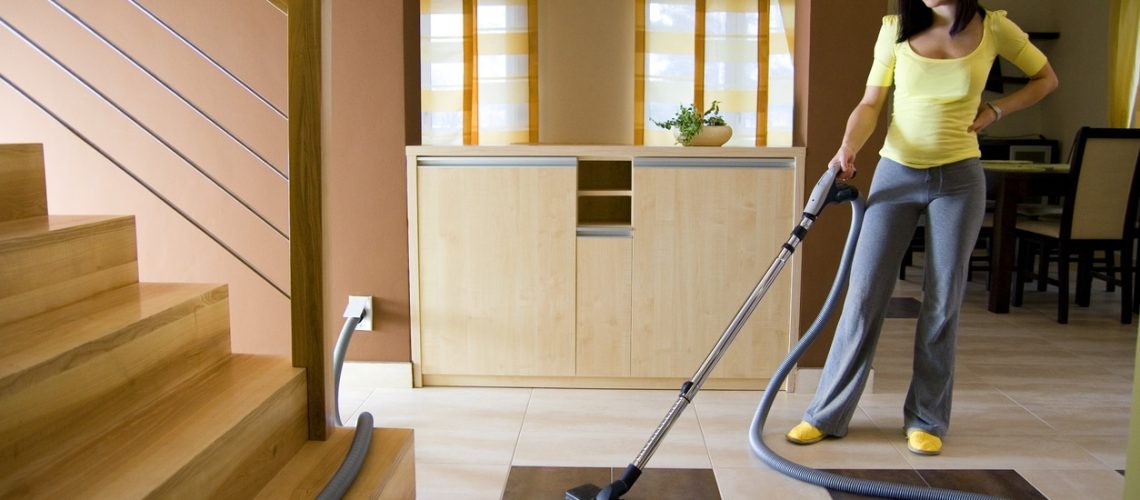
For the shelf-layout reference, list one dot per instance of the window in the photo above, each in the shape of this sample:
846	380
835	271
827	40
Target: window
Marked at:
737	52
478	80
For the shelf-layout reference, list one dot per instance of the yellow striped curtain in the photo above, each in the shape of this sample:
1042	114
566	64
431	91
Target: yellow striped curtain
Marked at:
477	72
737	52
781	76
442	81
1124	64
504	68
732	66
670	41
784	11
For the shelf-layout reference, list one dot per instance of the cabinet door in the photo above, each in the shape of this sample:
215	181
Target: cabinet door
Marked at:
705	231
497	266
604	274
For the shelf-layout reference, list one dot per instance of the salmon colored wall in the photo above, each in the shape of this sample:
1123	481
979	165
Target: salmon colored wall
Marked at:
248	37
130	28
101	89
834	42
365	187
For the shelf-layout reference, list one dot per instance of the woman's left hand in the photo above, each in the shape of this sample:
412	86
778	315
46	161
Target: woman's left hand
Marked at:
985	117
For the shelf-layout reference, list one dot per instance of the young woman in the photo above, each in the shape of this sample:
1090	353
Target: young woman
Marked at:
937	53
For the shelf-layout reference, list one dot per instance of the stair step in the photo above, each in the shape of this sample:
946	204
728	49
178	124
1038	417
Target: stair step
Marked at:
388	470
70	374
50	261
23	191
222	434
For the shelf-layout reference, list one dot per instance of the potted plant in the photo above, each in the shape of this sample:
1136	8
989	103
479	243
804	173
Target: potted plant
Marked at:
692	128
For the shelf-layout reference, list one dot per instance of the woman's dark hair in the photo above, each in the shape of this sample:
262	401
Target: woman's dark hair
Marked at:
915	17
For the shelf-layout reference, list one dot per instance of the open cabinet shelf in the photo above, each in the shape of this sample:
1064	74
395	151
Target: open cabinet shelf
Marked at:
605	175
605	210
605	196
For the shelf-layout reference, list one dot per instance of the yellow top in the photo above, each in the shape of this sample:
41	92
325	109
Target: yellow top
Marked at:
936	100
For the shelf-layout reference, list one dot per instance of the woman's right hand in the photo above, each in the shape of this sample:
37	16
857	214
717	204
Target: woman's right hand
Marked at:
845	160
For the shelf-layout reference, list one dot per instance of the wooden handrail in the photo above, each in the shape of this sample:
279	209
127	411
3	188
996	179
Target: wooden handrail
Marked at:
305	209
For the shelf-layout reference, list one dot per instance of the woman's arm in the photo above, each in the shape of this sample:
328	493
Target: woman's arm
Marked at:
860	125
1040	85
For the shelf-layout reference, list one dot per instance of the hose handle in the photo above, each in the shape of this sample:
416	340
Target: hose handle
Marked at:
819	194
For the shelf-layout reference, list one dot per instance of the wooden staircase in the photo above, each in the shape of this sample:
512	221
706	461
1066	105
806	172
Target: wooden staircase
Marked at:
111	388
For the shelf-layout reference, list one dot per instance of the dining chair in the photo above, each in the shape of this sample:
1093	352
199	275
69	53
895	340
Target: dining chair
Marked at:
1099	213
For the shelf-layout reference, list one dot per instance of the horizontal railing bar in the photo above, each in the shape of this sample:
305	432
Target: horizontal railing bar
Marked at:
139	123
203	53
144	184
90	29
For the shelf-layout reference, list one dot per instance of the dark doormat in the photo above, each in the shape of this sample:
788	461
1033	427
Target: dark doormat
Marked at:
526	483
903	307
999	483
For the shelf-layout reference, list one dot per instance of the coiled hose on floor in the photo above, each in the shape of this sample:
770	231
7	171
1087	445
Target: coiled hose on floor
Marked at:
346	474
829	480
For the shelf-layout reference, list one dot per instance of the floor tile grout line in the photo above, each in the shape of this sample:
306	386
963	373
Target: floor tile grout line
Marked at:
1026	408
704	438
518	436
886	434
352	416
506	481
1073	440
1107	466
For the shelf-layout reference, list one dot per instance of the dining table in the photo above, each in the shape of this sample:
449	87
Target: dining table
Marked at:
1007	183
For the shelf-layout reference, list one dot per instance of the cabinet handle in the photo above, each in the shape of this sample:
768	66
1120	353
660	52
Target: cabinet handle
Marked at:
605	232
715	162
497	161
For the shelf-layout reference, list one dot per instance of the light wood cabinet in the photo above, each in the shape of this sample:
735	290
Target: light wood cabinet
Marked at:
706	232
497	266
605	274
597	266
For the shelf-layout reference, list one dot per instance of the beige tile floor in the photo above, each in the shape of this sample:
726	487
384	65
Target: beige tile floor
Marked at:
1049	401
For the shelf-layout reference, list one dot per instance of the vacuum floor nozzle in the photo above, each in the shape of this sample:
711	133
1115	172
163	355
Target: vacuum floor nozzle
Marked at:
613	491
583	492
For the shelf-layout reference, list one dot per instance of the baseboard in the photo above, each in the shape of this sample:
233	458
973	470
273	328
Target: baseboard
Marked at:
807	380
368	374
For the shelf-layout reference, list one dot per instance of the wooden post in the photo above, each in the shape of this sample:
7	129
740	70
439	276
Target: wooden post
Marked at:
305	207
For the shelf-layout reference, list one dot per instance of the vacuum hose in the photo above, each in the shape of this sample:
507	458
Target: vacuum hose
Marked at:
825	192
346	474
829	480
349	469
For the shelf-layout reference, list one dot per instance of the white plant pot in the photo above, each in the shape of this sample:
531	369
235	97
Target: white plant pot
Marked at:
709	135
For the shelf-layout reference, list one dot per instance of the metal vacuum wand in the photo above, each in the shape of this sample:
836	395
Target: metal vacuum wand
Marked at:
824	193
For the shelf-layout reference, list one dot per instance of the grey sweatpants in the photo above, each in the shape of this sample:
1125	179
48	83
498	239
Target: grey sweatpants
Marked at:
952	197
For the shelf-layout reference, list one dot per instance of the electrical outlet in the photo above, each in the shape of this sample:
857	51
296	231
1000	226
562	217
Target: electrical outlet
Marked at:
365	302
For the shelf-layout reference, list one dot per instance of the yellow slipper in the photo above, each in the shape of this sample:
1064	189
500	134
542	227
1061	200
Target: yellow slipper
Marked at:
921	442
805	433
